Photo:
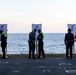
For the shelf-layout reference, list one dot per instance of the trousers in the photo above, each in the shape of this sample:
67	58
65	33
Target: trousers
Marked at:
31	50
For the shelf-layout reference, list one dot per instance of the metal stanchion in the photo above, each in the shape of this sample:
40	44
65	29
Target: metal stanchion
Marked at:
73	48
36	46
6	52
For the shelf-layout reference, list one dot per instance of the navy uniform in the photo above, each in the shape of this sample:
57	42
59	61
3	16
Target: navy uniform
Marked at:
32	44
69	42
40	44
3	42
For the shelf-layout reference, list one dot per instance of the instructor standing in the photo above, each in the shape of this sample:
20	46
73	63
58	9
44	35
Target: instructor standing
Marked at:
69	42
31	42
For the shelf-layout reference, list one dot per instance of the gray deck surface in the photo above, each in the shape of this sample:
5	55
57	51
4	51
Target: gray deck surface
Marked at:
44	66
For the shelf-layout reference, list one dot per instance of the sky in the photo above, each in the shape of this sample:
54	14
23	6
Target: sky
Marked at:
54	15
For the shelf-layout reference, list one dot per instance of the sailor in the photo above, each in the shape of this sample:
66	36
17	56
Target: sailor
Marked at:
69	42
32	44
3	43
40	44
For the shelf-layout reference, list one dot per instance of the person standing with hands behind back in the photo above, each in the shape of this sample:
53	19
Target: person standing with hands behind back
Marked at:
69	42
3	43
40	44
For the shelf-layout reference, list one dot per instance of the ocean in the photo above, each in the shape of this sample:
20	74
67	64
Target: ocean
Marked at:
17	43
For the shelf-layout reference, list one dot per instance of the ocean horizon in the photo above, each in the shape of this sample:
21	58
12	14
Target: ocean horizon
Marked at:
17	43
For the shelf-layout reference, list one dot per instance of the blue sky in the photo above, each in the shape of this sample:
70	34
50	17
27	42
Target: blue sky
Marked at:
54	15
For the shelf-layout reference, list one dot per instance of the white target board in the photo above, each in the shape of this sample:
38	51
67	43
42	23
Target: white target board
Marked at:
37	27
73	29
3	27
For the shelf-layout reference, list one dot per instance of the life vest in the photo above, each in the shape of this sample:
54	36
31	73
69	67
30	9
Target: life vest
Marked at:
42	34
4	34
